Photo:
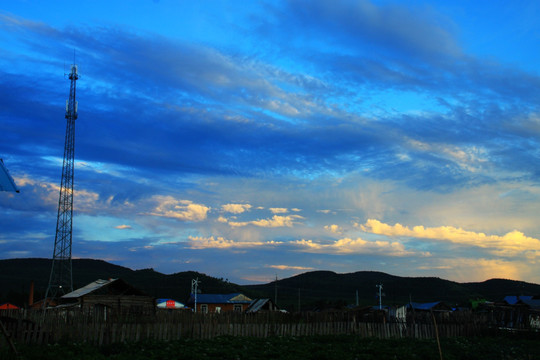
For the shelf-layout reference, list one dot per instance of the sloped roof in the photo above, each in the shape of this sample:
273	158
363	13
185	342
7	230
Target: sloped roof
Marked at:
258	304
235	298
437	305
512	300
8	306
120	287
6	181
532	303
93	286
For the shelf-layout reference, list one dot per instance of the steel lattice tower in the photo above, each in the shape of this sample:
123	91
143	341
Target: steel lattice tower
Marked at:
61	279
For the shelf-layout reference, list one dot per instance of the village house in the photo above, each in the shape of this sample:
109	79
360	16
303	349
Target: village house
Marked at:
109	296
532	302
216	303
520	311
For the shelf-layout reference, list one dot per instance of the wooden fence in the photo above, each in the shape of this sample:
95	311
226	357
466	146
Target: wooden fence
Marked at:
34	328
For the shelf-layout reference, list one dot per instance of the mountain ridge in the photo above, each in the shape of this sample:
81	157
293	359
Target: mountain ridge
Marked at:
311	290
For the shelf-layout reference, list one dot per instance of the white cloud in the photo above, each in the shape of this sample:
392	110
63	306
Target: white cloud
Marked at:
511	243
236	208
275	221
184	210
336	229
358	246
278	210
219	242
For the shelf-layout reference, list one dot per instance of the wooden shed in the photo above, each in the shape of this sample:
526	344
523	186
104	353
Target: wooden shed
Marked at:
113	295
261	305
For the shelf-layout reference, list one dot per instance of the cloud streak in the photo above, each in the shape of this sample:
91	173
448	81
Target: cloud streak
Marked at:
222	243
274	221
358	246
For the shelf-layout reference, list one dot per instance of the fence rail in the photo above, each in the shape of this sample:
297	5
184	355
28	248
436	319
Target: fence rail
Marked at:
34	328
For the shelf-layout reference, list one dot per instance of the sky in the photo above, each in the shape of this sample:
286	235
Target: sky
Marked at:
263	139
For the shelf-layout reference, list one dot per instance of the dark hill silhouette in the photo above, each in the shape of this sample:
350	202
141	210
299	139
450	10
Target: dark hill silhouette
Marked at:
337	289
316	289
17	274
497	288
323	289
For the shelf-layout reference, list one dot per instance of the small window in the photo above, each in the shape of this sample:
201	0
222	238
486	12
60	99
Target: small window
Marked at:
204	309
237	308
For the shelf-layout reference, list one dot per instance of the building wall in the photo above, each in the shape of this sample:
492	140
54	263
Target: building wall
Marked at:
211	308
125	304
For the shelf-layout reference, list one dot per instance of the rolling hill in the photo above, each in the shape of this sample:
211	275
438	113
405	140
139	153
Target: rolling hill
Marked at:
311	290
17	274
329	289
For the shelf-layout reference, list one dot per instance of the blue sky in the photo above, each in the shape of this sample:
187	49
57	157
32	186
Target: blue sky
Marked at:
249	140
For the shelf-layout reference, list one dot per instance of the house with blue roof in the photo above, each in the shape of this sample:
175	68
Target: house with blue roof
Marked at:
216	303
532	302
513	300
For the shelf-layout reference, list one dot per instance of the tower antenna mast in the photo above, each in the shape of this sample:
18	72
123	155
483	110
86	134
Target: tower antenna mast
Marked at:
61	278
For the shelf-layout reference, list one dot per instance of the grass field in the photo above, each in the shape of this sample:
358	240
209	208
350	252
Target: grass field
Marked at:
316	347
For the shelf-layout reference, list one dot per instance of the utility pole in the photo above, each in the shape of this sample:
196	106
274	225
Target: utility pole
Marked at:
380	295
195	290
275	292
298	299
61	278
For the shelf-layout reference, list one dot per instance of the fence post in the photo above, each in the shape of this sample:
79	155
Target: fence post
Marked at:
8	338
437	334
